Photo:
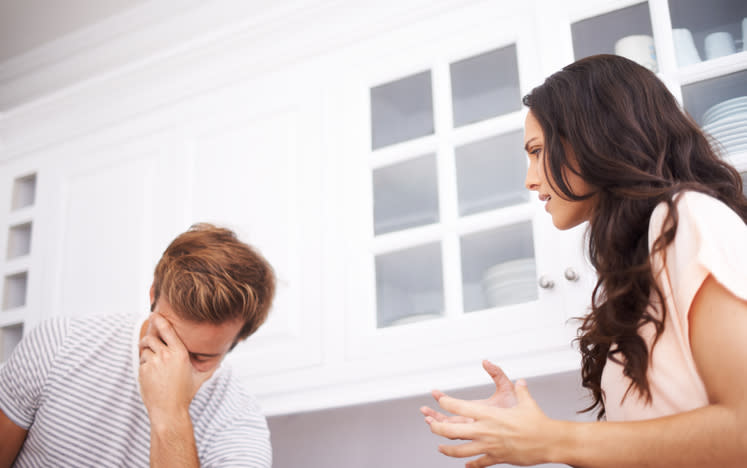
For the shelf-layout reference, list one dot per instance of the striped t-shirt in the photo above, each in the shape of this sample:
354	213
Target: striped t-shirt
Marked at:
72	383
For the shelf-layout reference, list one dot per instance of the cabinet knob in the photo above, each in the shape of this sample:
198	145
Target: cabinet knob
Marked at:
545	282
571	274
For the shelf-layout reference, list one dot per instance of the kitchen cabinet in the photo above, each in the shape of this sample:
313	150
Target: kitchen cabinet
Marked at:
374	155
18	201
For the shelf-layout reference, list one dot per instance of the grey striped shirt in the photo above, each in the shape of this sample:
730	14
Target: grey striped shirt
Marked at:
73	384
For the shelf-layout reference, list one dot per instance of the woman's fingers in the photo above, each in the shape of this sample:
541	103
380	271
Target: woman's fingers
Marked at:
452	430
468	449
440	417
482	462
464	408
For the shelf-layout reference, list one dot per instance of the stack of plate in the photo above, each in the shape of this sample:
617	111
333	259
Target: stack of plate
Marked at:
510	282
727	123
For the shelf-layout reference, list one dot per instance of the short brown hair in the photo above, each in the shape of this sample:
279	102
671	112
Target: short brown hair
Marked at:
208	275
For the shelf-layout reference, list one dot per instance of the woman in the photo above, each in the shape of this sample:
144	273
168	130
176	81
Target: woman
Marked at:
664	345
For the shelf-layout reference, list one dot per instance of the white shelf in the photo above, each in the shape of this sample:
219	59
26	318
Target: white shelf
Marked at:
21	215
12	317
714	68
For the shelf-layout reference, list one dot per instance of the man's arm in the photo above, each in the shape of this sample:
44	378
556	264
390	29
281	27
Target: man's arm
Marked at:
168	383
12	440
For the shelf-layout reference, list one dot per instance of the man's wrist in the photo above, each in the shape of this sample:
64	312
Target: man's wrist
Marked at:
171	420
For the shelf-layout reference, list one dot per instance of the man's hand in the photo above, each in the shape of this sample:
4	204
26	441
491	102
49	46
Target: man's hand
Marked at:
503	397
168	382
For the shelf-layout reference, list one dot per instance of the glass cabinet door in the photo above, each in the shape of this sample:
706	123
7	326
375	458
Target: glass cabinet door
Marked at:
498	267
401	110
707	30
435	168
405	194
627	32
719	105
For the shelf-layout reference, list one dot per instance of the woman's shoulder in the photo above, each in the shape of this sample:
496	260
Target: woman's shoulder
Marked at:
695	209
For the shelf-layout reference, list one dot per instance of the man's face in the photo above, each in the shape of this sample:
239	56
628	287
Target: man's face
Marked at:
207	343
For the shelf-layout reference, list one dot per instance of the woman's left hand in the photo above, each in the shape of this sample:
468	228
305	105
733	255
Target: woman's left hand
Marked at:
520	435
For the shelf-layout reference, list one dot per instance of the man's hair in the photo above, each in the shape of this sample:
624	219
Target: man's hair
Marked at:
208	275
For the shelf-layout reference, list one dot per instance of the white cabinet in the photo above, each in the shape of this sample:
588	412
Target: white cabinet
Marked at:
109	200
445	246
18	226
374	155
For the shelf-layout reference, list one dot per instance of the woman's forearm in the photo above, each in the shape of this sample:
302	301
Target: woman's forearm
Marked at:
713	436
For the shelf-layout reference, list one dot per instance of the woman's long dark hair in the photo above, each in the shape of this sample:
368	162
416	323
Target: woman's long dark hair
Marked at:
632	143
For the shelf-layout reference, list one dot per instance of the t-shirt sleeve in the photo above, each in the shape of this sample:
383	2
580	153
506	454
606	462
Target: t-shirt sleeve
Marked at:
24	374
245	442
711	239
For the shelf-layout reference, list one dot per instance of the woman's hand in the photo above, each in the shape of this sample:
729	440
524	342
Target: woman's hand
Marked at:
519	435
503	397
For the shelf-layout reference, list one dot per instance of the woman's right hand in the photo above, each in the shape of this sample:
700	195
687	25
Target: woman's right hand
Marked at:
503	397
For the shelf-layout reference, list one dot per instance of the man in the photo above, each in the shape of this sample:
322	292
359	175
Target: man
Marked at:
111	391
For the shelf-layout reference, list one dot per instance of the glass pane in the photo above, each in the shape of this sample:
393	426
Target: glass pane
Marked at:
707	30
24	192
10	336
491	173
625	32
19	240
405	194
401	110
409	285
719	105
15	291
498	267
485	86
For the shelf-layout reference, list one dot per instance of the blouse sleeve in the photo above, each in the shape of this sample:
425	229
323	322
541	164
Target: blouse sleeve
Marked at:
711	239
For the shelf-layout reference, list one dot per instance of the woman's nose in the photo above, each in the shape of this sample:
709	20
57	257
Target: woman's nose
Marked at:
531	182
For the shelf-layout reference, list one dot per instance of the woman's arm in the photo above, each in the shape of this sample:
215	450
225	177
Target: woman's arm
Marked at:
712	436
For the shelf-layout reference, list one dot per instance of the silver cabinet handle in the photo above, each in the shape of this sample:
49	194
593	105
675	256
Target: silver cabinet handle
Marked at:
545	282
571	275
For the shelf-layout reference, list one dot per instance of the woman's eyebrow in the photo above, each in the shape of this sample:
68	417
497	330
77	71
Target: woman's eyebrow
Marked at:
526	145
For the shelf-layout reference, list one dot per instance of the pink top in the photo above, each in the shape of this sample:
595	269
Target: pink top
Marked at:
710	239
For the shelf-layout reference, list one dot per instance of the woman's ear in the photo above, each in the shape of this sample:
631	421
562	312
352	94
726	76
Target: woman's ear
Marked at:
152	297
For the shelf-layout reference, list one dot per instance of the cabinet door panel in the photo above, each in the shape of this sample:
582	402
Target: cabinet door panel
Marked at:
247	173
104	244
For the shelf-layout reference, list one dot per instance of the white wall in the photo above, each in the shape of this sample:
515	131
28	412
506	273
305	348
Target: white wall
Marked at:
393	433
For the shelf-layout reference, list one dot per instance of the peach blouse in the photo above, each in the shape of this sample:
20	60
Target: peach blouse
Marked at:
710	239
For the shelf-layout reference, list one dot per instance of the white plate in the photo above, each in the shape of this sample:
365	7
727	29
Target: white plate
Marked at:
735	114
513	295
724	105
733	133
520	268
725	113
414	318
720	128
732	138
736	148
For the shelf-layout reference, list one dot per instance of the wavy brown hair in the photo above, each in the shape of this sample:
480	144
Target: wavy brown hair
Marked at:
208	275
633	143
